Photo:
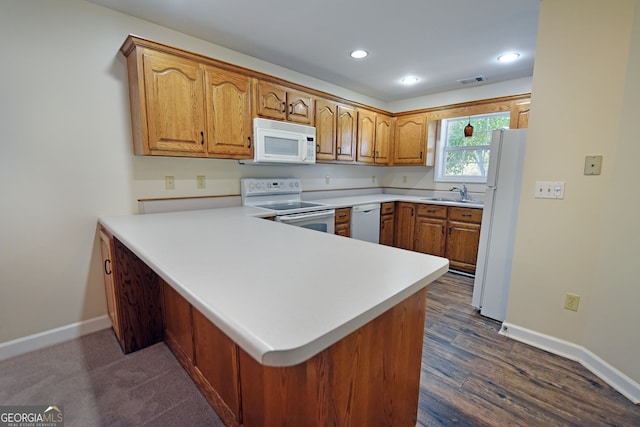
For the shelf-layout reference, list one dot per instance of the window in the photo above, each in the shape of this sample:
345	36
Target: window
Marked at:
461	159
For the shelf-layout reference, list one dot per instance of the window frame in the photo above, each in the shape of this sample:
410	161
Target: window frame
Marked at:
441	148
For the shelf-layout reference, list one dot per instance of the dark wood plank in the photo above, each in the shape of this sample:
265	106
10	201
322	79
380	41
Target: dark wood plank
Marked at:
473	376
140	300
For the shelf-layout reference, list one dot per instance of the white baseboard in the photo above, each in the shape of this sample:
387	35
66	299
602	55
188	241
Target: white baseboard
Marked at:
54	336
612	376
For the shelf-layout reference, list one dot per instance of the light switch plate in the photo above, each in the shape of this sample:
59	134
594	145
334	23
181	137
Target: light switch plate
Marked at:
592	165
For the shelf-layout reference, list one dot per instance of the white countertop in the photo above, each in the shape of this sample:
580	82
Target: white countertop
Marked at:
341	202
282	293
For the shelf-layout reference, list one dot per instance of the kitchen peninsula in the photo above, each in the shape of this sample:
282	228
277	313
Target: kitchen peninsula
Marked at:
277	325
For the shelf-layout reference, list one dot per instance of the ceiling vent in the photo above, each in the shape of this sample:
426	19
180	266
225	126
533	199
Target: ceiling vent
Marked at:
475	79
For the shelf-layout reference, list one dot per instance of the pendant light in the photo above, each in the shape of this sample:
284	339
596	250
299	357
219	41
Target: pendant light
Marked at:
468	129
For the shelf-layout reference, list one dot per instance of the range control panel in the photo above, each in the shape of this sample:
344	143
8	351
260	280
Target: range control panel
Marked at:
257	186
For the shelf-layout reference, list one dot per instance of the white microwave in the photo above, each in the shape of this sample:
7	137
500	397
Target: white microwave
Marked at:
282	142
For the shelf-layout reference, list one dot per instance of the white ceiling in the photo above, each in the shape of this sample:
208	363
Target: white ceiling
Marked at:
440	41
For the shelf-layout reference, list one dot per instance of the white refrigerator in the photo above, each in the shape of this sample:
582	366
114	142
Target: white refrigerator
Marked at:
497	231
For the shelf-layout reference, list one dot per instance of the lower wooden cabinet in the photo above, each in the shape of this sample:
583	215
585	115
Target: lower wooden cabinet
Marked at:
343	222
108	274
451	232
387	223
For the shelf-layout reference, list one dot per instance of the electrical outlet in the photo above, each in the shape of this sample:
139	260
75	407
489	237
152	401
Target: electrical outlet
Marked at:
327	179
169	183
373	179
404	179
571	302
549	190
201	183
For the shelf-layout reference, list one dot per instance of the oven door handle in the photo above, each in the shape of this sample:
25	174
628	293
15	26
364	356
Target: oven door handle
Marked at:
311	215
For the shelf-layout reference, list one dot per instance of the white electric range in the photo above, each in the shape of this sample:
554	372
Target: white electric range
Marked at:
283	196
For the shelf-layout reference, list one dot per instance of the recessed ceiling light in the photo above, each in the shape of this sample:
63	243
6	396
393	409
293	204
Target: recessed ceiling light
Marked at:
359	54
508	57
409	80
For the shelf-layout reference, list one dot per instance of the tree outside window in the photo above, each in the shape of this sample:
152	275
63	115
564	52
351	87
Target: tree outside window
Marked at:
463	159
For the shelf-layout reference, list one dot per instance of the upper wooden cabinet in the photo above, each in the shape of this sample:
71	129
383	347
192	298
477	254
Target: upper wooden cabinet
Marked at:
172	101
326	129
182	107
410	140
278	102
520	115
347	131
375	134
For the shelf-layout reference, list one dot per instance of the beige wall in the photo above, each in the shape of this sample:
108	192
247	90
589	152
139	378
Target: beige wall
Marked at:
584	102
65	154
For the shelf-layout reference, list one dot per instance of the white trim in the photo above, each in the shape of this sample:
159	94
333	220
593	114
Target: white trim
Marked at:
53	336
612	376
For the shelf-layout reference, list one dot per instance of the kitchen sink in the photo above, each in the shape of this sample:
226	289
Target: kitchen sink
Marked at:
447	199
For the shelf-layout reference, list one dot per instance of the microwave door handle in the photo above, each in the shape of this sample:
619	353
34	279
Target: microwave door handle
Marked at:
303	148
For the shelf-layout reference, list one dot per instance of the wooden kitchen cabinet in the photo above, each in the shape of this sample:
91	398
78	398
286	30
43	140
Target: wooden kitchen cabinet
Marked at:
374	137
326	129
463	238
343	222
405	225
274	101
171	105
346	133
228	111
451	232
106	249
410	139
183	107
430	236
387	223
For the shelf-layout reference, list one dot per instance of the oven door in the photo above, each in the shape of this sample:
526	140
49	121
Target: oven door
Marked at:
318	220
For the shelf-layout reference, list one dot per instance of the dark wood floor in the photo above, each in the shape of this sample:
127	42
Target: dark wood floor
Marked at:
473	376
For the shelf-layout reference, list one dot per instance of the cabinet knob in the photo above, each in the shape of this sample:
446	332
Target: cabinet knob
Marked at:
202	137
291	108
249	138
107	262
284	107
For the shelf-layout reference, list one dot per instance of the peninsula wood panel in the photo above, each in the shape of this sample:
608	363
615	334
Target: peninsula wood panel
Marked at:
177	321
140	300
370	377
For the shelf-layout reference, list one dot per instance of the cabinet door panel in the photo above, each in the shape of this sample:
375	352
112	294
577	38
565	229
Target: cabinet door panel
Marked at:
347	125
271	101
175	105
387	229
462	245
405	221
384	139
106	249
228	109
430	236
177	320
410	140
326	129
300	107
366	136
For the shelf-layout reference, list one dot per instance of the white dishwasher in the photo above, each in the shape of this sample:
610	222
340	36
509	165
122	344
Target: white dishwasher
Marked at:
365	222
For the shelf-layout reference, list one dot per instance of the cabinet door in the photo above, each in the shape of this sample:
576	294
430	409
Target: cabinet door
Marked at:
366	136
300	107
326	129
174	104
387	234
347	126
410	140
405	222
106	249
430	235
178	322
228	107
462	245
384	139
271	100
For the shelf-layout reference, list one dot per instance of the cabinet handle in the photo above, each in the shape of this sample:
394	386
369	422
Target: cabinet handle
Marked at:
449	231
317	148
443	230
467	215
249	138
339	150
106	263
201	137
421	155
284	107
431	210
291	108
411	211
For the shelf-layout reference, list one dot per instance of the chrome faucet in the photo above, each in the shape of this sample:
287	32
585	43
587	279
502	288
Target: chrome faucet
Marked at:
463	192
